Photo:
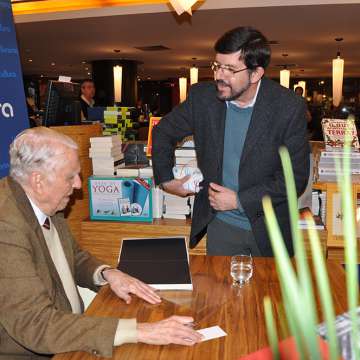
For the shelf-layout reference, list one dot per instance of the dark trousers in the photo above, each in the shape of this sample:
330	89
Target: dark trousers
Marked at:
226	239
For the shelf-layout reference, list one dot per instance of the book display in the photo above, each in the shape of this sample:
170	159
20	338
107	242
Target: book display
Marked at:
120	199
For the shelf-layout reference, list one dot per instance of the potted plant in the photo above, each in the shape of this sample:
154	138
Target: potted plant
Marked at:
297	287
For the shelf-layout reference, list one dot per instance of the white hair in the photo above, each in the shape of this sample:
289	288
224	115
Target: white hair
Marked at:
37	149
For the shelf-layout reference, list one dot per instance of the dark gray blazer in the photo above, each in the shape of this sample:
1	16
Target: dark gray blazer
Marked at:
278	118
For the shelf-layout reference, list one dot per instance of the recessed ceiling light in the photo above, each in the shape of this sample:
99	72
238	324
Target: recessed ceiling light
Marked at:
149	77
83	62
86	68
30	60
41	75
53	64
89	73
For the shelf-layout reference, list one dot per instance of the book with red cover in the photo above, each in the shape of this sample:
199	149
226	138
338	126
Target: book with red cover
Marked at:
319	225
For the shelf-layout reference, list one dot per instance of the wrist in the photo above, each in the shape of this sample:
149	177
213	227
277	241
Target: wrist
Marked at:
103	273
163	185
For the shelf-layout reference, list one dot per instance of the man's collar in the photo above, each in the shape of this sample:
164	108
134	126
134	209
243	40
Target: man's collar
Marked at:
251	103
90	103
41	217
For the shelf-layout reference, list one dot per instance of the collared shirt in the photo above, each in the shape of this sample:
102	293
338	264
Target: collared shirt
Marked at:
251	103
91	103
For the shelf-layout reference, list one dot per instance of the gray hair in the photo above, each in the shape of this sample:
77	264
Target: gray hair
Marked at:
37	149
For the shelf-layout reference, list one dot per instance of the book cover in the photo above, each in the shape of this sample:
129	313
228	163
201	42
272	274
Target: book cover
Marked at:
302	224
152	123
120	199
334	131
160	262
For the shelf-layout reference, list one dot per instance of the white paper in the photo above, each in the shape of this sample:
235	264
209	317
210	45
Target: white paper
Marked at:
212	332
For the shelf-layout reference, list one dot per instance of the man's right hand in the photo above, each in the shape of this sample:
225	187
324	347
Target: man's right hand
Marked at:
175	187
173	330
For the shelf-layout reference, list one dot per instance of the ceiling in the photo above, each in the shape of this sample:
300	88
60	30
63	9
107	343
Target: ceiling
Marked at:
305	33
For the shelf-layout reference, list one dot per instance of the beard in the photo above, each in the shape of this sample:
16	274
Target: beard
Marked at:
234	94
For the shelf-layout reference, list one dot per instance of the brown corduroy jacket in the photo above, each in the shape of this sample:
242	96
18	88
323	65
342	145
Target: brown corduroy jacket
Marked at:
35	315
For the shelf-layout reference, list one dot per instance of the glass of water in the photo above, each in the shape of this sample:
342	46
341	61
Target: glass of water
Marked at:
241	269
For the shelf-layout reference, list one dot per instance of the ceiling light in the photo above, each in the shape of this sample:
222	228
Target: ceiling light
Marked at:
181	6
182	88
285	78
30	60
194	75
53	64
117	72
285	75
337	76
83	62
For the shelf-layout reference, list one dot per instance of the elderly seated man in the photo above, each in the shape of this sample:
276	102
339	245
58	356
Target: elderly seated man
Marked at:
41	263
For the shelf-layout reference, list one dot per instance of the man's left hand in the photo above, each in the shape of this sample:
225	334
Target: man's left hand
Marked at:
222	198
123	285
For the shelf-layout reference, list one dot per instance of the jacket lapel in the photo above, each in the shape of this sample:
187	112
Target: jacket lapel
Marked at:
26	209
217	123
259	120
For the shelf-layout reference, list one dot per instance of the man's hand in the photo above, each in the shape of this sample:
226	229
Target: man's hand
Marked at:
175	187
173	330
222	198
123	285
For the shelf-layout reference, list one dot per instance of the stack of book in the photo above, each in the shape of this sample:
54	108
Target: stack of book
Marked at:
327	167
185	156
136	171
106	155
175	207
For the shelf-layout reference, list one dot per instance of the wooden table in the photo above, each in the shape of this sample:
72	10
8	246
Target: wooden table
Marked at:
239	312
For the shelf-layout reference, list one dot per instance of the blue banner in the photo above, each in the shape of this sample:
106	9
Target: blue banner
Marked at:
13	112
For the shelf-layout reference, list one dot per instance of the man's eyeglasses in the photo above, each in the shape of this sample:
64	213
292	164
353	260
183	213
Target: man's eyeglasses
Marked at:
227	70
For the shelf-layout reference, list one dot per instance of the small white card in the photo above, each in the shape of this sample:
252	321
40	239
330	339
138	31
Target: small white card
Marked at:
212	332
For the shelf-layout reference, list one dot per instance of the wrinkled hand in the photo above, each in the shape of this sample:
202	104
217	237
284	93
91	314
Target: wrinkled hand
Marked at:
123	285
172	330
175	187
222	198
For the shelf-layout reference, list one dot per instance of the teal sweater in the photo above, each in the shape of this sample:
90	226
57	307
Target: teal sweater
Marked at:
236	127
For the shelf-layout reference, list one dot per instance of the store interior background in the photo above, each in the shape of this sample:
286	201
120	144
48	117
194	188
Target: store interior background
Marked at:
66	43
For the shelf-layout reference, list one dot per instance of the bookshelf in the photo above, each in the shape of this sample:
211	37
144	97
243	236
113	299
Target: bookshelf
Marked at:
335	239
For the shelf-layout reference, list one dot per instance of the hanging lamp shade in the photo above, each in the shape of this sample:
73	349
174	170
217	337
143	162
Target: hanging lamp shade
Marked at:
182	88
337	78
285	78
117	83
194	75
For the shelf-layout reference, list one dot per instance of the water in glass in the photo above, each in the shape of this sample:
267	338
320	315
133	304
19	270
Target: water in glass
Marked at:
241	269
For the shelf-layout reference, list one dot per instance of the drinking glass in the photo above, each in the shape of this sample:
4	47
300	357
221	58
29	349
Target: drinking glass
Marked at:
241	269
